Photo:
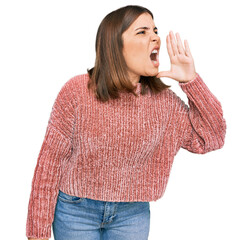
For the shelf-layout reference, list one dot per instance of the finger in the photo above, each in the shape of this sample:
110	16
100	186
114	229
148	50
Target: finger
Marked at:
169	47
173	43
187	49
180	45
164	74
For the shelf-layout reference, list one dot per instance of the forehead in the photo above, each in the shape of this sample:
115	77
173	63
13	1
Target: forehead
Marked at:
144	20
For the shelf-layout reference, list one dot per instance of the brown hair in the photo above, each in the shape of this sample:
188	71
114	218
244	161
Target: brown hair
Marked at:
110	71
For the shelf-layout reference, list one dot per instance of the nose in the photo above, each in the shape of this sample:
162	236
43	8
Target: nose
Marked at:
155	37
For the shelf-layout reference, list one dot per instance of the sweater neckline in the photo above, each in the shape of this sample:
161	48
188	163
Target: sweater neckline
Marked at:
138	88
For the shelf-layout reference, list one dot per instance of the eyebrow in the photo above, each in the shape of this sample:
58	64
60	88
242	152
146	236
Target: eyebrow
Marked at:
155	28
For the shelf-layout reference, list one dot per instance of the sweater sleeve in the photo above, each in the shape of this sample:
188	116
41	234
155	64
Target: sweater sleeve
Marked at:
204	127
55	151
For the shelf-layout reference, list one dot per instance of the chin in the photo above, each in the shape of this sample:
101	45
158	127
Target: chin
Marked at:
152	73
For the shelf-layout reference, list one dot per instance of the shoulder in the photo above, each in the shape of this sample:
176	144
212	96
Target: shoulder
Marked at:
75	85
76	82
72	89
168	94
173	99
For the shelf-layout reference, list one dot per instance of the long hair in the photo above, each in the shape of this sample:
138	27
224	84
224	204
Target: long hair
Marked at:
109	75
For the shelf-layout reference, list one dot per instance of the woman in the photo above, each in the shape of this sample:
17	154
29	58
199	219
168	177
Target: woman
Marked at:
113	134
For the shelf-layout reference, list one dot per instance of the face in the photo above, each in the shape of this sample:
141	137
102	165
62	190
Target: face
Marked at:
141	48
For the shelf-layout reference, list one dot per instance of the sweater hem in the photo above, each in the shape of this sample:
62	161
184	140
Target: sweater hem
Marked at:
106	199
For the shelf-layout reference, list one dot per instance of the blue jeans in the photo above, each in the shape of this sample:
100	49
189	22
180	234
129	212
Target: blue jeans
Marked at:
86	219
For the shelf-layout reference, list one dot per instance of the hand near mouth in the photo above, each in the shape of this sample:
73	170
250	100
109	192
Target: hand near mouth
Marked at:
182	64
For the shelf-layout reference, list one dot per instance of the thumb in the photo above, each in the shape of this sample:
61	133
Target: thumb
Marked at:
165	74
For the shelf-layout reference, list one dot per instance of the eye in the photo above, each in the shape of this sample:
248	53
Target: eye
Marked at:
142	32
156	32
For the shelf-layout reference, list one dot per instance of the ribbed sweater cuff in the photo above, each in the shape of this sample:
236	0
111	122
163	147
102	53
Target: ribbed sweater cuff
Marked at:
194	81
44	237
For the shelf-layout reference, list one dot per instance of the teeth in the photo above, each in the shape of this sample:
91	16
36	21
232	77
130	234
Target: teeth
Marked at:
154	51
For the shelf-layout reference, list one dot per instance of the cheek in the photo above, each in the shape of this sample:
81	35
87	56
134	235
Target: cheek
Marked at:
136	53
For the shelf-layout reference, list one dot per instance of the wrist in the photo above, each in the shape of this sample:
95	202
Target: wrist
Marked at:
190	79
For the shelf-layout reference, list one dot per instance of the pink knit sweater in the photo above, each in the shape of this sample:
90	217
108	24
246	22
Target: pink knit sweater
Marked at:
121	150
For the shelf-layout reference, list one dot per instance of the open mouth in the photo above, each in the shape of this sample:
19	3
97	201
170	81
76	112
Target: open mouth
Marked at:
154	57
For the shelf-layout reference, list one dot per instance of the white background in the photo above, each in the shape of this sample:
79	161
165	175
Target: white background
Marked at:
45	43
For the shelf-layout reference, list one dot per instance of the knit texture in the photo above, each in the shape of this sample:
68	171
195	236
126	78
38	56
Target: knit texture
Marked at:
120	150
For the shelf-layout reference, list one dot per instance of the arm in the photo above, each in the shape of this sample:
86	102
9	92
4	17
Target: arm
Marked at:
55	151
203	126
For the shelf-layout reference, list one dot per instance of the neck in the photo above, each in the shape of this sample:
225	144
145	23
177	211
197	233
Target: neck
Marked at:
134	78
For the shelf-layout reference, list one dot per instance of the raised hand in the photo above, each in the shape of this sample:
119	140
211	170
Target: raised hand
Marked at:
182	64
